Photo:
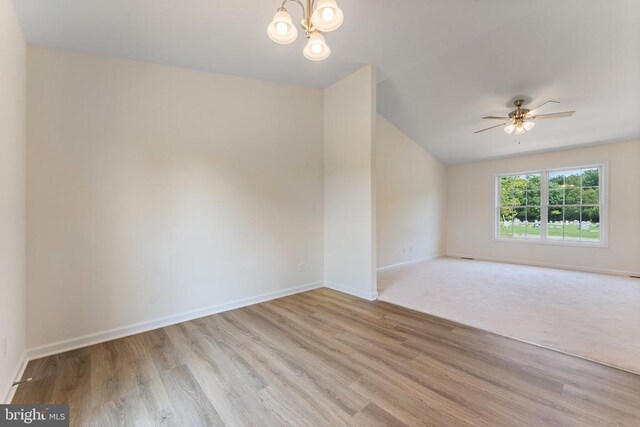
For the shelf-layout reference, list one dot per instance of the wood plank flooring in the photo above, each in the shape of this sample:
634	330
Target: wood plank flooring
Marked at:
323	358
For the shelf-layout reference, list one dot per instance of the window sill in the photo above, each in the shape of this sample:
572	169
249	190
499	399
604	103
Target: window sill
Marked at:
553	242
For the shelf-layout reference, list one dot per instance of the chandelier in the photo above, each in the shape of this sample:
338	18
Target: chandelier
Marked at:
320	16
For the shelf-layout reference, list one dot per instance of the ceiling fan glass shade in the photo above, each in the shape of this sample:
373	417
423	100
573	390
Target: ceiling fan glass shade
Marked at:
510	128
316	48
528	125
281	30
327	16
520	130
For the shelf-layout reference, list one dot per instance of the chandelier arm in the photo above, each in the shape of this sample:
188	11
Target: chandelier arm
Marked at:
306	14
294	1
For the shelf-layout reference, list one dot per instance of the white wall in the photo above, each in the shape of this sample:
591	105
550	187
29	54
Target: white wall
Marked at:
349	203
12	195
470	213
410	199
155	191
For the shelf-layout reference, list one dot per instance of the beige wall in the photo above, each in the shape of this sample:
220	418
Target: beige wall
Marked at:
349	208
471	190
410	199
12	195
155	191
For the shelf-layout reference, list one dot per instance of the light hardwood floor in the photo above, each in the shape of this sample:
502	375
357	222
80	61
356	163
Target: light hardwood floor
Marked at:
323	358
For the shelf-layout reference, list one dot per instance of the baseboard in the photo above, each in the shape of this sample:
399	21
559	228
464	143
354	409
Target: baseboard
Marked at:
9	391
353	292
549	265
407	263
99	337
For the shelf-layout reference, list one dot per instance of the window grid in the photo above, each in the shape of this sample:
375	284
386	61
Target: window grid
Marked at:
526	215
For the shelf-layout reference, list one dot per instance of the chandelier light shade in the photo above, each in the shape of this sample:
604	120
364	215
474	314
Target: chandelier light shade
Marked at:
528	125
320	16
327	16
316	48
281	30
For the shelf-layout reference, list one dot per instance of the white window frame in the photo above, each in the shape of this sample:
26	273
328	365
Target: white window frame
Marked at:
544	206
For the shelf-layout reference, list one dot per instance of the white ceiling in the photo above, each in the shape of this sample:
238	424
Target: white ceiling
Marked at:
443	64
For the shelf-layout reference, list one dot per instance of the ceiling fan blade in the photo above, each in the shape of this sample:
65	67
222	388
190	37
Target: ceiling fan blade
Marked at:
554	115
496	118
492	127
541	107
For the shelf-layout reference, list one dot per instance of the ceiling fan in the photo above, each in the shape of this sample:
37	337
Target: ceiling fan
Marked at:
521	120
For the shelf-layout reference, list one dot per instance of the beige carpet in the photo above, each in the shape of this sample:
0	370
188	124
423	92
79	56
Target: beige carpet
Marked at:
595	316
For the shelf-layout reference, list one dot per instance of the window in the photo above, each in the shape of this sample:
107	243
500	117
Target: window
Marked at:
520	207
574	205
553	206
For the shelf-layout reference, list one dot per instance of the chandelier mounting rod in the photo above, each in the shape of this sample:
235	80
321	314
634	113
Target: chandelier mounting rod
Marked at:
307	12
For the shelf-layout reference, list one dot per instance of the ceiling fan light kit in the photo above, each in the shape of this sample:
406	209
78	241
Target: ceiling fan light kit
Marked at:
521	120
520	128
320	16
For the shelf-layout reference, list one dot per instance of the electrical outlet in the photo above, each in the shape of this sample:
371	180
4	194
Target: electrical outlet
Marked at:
3	348
301	267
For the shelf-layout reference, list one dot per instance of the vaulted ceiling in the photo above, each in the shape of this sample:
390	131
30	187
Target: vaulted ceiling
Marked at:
442	64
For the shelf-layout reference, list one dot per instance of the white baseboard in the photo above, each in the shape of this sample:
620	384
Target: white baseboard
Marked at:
353	292
99	337
407	263
548	265
18	372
